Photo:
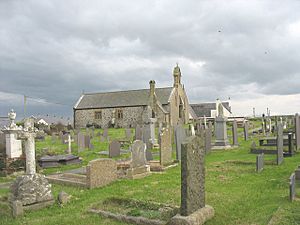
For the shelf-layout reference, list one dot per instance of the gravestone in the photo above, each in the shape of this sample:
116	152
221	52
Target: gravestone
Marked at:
128	134
101	172
221	131
246	130
104	136
87	141
152	131
192	175
292	187
147	141
234	134
279	143
165	147
138	165
208	137
259	162
291	144
138	133
297	130
114	148
180	136
80	141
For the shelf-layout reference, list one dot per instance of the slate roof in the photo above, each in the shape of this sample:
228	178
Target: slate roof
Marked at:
204	109
122	98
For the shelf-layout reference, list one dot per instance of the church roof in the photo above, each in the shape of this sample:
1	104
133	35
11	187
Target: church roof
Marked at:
204	109
122	98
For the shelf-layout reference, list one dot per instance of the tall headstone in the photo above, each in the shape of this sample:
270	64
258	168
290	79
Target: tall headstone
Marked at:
138	133
297	130
246	130
279	143
114	149
69	144
221	128
180	136
138	165
87	141
192	175
234	134
166	147
147	141
208	137
80	141
152	131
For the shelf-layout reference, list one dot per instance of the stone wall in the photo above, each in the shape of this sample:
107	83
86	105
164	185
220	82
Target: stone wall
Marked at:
101	172
131	117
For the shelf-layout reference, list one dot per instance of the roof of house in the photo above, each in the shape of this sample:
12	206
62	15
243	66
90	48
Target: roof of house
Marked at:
204	109
122	98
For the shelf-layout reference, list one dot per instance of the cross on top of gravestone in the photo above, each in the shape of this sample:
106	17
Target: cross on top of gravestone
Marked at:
138	154
114	149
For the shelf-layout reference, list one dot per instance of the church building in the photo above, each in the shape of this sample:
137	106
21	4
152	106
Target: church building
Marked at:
129	108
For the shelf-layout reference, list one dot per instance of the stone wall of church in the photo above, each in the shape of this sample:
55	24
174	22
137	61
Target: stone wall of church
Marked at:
131	117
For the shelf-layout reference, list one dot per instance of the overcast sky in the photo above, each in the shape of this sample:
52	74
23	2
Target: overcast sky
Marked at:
246	50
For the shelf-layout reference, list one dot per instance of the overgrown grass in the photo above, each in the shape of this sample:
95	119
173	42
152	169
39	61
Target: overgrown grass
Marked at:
238	194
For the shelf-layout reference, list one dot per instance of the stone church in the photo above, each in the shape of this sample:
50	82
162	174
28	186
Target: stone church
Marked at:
129	108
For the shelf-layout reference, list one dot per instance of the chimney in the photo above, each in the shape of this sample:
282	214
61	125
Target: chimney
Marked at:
152	88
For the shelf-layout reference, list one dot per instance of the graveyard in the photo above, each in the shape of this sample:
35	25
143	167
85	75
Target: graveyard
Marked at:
238	191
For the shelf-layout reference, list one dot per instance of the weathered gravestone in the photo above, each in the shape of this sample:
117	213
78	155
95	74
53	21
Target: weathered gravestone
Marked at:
104	136
180	136
138	133
208	137
292	187
193	210
165	147
221	128
234	134
279	143
246	130
87	141
259	162
138	165
114	148
80	141
128	134
147	141
297	131
101	172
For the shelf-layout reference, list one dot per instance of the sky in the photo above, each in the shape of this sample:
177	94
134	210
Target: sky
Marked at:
53	50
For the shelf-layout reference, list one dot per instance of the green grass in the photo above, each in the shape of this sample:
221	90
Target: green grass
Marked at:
238	194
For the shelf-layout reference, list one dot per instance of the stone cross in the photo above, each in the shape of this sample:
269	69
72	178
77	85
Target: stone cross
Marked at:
28	135
192	175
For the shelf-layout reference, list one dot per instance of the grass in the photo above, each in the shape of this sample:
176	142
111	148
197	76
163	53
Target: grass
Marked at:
238	194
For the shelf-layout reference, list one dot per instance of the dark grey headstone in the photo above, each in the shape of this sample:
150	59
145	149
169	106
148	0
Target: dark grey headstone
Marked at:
297	131
180	136
259	162
114	149
87	141
234	133
192	175
292	187
246	131
279	143
80	141
208	137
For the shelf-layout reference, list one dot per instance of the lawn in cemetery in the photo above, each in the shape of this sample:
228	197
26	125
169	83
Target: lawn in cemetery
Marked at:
237	192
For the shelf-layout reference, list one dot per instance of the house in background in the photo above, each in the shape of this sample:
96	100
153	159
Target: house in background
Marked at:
129	108
209	110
